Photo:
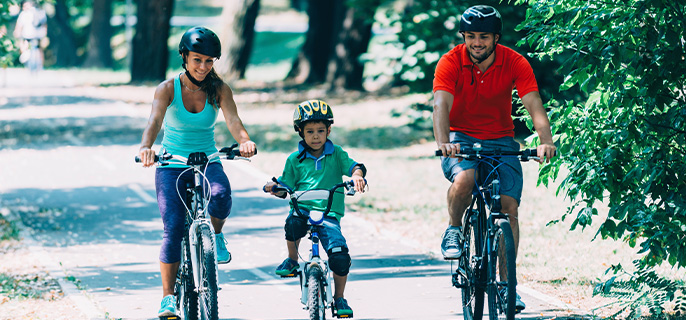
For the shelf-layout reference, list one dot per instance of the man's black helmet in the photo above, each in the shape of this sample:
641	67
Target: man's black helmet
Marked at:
481	18
201	40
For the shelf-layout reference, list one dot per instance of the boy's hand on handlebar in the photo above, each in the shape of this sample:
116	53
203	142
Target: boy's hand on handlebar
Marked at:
545	152
247	149
359	183
147	157
268	188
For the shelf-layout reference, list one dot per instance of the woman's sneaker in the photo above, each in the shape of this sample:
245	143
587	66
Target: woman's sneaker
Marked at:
287	268
223	254
342	309
167	307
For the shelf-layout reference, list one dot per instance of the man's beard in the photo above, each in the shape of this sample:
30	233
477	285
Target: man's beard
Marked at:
481	58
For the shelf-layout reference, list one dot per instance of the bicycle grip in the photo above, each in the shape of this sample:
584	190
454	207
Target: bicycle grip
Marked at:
137	159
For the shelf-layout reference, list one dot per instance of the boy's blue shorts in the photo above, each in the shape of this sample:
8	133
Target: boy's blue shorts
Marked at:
511	178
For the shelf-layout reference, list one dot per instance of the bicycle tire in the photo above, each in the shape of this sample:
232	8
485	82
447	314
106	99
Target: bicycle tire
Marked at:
207	263
315	293
474	272
186	297
502	307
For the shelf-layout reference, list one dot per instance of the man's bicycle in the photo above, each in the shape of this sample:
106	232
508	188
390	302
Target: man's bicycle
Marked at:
315	277
196	280
488	246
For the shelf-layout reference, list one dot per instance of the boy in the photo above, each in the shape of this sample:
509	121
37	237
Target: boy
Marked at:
319	164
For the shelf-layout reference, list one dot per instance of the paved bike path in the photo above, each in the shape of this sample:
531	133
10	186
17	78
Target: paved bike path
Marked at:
93	215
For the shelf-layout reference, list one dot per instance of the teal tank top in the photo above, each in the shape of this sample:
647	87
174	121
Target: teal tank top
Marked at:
186	132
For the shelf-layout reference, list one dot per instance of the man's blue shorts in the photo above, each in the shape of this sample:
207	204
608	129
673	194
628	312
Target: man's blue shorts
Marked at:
510	173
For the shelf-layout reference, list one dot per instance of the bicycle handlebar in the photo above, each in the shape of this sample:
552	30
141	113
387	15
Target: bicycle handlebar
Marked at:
229	153
280	186
470	153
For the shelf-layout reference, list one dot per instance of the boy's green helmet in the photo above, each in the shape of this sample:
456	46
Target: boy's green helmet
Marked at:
312	110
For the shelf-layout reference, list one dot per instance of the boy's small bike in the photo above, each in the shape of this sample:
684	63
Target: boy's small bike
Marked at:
314	274
196	280
488	239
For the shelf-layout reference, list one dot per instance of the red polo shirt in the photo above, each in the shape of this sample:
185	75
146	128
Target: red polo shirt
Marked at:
482	106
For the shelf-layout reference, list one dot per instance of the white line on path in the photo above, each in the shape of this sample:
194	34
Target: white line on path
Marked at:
268	279
141	193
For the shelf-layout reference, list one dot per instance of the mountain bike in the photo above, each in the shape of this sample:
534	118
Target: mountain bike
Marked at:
488	241
315	277
196	280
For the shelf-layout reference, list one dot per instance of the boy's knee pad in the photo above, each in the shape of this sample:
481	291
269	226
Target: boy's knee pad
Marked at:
339	261
295	228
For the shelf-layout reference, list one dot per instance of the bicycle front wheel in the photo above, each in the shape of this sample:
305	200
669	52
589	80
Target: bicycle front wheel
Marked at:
315	293
207	274
471	272
502	296
186	297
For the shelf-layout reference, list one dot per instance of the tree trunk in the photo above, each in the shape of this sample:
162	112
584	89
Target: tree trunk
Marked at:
62	49
99	53
239	36
346	70
312	62
150	52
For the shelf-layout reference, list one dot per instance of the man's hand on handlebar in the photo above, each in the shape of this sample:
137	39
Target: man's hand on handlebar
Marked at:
449	149
545	152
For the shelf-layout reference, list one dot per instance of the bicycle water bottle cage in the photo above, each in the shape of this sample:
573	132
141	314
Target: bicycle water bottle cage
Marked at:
197	159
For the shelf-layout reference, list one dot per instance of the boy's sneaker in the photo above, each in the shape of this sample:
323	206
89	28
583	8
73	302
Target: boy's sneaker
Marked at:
519	304
287	268
451	245
343	310
223	254
167	307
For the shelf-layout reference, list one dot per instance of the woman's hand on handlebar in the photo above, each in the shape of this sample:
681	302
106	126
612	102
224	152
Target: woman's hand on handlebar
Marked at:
247	149
545	152
147	156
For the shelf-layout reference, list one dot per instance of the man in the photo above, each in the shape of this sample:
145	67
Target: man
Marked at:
472	88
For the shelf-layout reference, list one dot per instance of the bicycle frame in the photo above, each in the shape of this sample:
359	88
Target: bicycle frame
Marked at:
315	223
197	224
477	271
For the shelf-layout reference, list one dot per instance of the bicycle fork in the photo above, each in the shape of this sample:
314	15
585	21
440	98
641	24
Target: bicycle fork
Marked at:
315	260
193	242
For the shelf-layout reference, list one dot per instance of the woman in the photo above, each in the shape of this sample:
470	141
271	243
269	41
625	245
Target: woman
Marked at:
188	105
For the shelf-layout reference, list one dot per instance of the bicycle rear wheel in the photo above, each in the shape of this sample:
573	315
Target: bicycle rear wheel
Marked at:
186	297
315	293
501	305
207	274
471	273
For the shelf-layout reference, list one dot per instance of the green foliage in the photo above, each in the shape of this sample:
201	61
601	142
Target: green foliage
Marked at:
625	144
8	229
643	291
8	51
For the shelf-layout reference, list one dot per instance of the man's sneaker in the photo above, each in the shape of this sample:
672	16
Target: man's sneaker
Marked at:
519	304
223	254
168	306
451	245
342	309
287	268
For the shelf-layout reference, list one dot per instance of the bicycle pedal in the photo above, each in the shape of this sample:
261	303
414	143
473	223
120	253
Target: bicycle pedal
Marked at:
170	318
292	275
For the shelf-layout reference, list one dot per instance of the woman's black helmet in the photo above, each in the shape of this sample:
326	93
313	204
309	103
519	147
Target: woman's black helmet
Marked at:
201	40
481	18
